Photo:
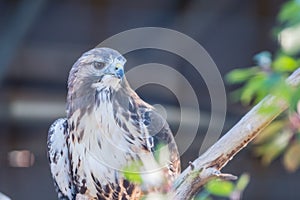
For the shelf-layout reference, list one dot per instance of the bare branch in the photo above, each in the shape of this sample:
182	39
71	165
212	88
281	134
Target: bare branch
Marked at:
209	164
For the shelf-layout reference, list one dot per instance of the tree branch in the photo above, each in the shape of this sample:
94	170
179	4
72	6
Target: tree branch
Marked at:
209	164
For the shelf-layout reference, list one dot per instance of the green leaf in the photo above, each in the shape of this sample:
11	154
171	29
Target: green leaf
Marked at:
132	172
235	95
240	75
203	195
290	13
219	188
282	90
250	89
291	159
272	80
294	101
160	152
285	64
242	182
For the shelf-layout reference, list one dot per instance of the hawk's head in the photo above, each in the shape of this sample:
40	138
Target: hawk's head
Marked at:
100	67
96	69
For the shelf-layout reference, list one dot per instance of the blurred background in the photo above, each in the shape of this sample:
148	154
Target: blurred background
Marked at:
40	40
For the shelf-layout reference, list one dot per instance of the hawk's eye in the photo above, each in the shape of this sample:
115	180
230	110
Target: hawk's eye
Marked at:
98	65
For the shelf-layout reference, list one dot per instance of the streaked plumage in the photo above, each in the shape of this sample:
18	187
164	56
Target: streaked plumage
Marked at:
109	131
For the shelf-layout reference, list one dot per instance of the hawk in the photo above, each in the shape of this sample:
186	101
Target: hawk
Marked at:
112	144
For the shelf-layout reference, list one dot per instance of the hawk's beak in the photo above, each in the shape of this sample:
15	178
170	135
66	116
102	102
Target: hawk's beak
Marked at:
116	70
119	71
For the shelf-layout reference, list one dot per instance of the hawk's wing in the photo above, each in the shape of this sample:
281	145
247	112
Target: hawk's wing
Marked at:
59	160
159	139
159	153
147	129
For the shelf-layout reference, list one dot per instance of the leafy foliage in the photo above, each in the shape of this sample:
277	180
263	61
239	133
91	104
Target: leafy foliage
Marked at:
268	77
224	189
289	14
132	172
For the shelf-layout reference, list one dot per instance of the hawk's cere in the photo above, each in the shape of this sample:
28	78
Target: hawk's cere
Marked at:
112	144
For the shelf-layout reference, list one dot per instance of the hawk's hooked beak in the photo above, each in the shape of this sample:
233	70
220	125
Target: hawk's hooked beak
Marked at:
119	71
115	70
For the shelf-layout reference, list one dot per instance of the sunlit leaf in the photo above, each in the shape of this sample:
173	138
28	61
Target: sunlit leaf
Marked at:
270	131
260	94
282	90
289	39
276	85
240	75
242	182
219	187
289	13
132	172
285	64
291	159
251	88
